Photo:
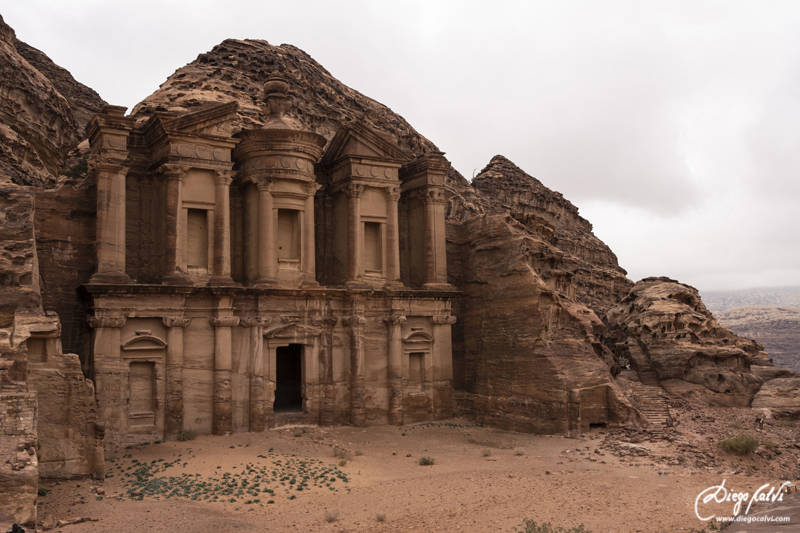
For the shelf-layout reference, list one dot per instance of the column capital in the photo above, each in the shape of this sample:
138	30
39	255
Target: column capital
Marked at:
173	171
435	196
108	167
176	321
224	321
106	321
395	320
354	321
392	193
354	190
263	184
443	320
254	321
223	177
328	321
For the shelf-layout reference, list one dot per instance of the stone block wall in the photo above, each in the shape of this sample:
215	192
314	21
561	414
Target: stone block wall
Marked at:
19	469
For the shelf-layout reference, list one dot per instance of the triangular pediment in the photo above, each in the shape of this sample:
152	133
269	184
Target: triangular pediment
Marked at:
359	141
208	120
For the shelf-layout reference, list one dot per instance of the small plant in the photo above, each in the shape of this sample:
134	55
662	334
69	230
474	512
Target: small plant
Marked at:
341	453
78	170
519	451
42	491
298	432
359	452
380	516
768	444
487	452
332	515
426	461
529	526
342	462
740	444
186	434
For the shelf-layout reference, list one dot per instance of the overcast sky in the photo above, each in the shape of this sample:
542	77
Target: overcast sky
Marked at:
673	126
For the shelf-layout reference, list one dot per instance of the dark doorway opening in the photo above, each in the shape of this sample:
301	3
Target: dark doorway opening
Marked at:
289	378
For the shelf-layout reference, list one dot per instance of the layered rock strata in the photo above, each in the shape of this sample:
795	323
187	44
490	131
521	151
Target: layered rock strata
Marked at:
777	328
670	339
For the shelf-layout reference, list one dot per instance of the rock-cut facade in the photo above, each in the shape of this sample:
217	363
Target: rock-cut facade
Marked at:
264	277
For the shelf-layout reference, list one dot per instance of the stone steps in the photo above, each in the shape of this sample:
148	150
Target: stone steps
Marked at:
652	404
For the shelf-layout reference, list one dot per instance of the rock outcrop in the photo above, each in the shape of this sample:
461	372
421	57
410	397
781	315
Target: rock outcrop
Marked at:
777	328
780	397
670	339
525	356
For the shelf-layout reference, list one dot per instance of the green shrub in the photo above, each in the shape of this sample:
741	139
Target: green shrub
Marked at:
426	461
768	444
78	170
740	444
529	526
187	434
42	491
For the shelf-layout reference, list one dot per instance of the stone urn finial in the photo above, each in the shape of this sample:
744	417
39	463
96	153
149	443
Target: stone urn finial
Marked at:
276	101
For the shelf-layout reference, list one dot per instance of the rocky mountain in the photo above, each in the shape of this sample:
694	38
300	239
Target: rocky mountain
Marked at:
772	296
777	328
672	340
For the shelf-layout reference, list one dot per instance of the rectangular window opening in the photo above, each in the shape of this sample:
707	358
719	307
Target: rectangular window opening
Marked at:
142	392
416	367
197	253
373	247
288	234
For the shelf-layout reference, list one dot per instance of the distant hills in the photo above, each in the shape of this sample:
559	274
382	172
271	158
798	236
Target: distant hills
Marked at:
770	316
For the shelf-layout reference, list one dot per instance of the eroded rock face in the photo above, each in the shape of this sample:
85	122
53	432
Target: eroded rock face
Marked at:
671	339
39	128
235	70
525	357
781	397
777	328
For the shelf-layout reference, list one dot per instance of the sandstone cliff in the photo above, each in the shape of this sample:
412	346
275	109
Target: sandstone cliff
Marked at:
672	340
777	328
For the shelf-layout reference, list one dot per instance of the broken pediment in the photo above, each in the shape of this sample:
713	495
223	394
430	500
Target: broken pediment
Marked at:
292	331
359	141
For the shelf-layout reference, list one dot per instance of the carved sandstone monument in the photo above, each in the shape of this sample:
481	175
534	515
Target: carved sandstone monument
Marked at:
258	244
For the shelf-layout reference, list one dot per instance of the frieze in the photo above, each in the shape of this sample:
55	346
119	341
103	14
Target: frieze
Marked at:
443	320
106	321
254	321
224	321
176	321
199	151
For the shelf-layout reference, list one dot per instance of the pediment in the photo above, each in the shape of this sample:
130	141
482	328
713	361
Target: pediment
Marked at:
360	141
143	342
292	331
418	336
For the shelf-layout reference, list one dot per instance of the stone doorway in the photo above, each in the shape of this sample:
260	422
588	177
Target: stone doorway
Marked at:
289	379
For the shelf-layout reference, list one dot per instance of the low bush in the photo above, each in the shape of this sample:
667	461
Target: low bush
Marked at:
332	515
426	461
380	516
740	444
530	526
187	434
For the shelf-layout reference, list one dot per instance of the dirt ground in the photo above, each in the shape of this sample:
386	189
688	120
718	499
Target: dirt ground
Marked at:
482	480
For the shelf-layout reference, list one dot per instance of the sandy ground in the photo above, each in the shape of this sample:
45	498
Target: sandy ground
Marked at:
482	480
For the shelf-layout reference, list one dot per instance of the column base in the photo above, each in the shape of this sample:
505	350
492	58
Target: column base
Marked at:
221	280
438	287
111	278
395	285
265	283
357	284
177	278
310	284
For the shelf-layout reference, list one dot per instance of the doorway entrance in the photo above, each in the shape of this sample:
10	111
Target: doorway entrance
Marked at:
289	378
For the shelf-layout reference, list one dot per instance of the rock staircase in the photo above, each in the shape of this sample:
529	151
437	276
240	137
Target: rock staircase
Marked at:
651	402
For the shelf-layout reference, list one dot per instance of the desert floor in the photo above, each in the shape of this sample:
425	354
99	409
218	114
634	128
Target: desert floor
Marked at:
482	480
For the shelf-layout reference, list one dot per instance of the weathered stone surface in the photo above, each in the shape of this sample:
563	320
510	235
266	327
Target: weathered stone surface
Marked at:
568	257
19	472
37	120
671	339
235	70
777	328
525	357
781	396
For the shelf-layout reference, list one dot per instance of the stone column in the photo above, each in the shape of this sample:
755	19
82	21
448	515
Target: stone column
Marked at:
258	396
326	413
395	368
309	260
108	372
357	391
267	262
392	238
442	365
110	224
173	415
222	230
355	238
175	245
222	410
435	244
